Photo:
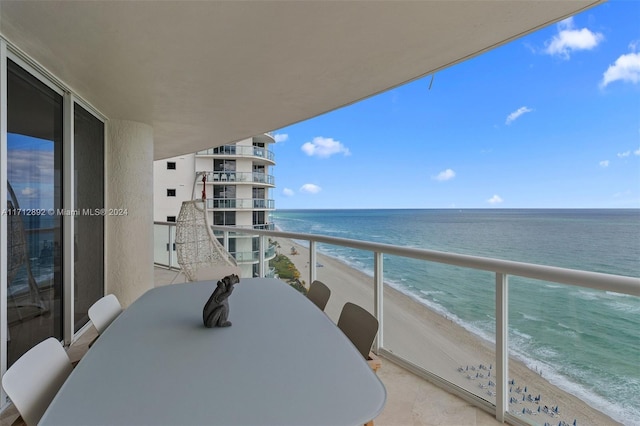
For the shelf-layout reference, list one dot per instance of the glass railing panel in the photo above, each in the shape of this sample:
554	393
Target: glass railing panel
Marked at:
173	257
270	252
575	351
246	256
234	150
346	270
164	249
442	318
259	203
161	245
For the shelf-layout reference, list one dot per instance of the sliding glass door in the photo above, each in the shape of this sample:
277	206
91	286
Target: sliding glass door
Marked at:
55	211
88	232
34	196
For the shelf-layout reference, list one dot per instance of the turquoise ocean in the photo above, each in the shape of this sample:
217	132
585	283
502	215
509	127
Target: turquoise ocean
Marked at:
585	341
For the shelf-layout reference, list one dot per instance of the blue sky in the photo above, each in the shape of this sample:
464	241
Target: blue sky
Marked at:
551	120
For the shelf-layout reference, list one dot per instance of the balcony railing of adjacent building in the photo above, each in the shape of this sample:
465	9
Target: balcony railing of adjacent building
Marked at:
252	177
500	280
240	203
240	151
164	249
253	256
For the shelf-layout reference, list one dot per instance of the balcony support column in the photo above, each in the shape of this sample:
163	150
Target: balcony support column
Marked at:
502	346
129	185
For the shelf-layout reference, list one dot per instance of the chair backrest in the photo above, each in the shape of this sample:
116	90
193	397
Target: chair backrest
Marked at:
196	246
35	378
104	311
319	294
359	326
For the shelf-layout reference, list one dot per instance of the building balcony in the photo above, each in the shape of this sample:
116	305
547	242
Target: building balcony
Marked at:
267	137
253	178
240	204
234	151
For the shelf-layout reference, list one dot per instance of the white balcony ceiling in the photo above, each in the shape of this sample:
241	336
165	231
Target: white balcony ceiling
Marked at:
205	73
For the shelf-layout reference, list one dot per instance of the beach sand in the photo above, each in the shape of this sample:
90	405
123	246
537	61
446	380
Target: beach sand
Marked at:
439	345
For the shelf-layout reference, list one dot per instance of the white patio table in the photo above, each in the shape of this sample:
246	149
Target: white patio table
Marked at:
282	362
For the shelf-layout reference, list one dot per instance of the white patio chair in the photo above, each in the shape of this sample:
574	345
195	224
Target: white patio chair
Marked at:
35	378
104	311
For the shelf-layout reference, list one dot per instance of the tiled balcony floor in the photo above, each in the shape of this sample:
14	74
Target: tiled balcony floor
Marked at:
411	400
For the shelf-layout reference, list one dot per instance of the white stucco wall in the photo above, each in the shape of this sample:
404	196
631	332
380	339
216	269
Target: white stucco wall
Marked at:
129	255
180	179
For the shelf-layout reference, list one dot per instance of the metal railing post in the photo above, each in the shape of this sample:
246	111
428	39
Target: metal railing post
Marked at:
312	261
378	291
502	346
169	248
262	255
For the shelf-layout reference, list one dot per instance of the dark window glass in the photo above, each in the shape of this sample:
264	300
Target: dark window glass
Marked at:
34	237
224	191
89	223
259	193
224	165
224	218
259	218
171	192
171	165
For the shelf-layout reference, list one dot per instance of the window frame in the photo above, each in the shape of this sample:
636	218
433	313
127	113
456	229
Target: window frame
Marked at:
69	99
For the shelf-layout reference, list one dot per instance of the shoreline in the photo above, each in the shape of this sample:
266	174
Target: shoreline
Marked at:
444	347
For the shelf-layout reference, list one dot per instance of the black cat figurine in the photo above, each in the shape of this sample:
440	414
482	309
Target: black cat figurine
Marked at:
216	310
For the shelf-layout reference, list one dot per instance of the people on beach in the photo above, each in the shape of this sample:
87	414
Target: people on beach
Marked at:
527	397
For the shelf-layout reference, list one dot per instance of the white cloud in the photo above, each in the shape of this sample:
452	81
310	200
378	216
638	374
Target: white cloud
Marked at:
281	137
516	114
604	163
625	69
287	192
570	40
624	154
495	199
29	192
21	166
324	147
445	175
636	152
310	188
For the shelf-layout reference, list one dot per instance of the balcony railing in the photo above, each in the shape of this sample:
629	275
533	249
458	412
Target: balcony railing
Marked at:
496	397
164	248
225	176
253	256
240	151
240	203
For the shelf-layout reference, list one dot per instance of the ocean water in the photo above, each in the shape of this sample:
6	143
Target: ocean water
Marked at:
584	341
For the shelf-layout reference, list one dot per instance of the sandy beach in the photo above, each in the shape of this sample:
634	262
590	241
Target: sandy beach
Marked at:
430	340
